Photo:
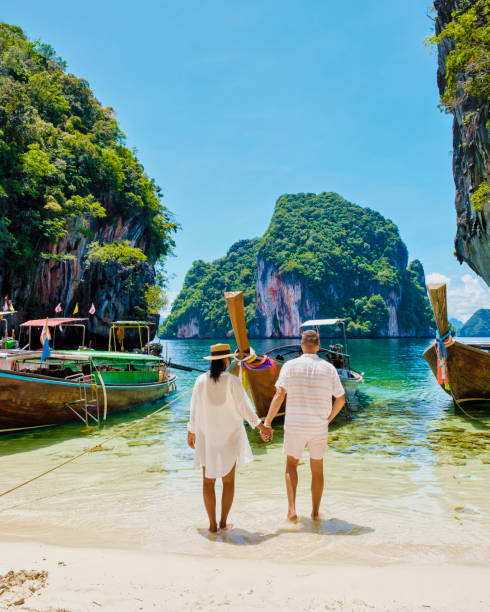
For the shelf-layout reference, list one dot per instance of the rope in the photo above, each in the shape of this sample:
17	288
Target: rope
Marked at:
91	449
466	413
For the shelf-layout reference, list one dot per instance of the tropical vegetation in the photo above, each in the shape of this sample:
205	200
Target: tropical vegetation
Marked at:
351	259
467	72
64	166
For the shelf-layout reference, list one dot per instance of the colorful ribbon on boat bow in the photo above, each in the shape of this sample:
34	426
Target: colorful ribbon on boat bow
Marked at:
441	343
253	362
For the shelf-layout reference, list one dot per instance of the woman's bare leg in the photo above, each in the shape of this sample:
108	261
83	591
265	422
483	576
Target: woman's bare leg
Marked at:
209	495
227	497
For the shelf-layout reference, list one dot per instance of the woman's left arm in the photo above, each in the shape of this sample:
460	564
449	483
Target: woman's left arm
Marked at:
191	425
243	404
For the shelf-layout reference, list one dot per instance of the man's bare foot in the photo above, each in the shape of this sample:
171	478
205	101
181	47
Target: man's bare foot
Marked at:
292	516
224	526
315	517
213	528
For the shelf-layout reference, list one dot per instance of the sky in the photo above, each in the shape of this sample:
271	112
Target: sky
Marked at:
231	103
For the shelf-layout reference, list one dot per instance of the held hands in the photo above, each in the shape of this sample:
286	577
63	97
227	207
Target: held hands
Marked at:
266	432
191	439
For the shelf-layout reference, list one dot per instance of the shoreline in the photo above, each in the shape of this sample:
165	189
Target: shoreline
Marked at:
80	579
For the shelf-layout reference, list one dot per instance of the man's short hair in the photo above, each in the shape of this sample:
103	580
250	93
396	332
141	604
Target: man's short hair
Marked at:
310	338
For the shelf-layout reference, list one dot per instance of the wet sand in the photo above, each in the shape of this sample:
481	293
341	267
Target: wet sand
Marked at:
393	537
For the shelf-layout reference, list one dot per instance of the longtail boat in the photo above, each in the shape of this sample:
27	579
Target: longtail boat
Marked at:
260	372
462	370
81	384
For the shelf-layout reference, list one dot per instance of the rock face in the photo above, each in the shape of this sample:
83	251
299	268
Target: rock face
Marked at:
471	159
282	303
321	257
117	291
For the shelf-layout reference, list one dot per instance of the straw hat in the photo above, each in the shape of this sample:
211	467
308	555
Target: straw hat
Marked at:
219	351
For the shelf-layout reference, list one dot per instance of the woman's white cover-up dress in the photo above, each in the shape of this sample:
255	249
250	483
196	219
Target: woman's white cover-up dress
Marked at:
217	413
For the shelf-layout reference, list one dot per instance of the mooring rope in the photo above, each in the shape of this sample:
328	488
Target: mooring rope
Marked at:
96	446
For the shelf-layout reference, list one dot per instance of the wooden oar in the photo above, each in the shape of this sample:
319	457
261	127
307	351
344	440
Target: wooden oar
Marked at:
178	366
236	309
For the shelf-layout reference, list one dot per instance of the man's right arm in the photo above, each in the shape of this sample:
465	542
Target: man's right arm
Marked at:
276	403
339	393
336	407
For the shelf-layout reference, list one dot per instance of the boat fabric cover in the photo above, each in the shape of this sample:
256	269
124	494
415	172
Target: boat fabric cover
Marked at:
54	322
322	322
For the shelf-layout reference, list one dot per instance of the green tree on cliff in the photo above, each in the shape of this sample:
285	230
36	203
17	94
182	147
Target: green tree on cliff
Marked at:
351	260
63	162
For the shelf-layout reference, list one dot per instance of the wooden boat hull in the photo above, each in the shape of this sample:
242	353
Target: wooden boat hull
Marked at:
468	371
28	401
467	367
261	382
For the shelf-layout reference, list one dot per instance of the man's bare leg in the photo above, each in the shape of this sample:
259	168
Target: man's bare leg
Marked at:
316	486
227	496
209	495
291	485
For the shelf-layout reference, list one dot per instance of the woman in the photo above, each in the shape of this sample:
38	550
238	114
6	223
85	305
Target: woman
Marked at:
219	405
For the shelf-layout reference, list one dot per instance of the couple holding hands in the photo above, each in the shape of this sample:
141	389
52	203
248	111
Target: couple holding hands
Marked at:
219	405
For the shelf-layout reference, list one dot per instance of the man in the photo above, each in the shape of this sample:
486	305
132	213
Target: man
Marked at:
309	382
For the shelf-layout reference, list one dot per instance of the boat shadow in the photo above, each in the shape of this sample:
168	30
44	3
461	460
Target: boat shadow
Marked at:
329	527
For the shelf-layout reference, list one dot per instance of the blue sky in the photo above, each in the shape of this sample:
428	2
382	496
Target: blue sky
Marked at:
233	103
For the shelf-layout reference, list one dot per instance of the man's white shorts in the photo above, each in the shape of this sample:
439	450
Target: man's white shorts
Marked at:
294	444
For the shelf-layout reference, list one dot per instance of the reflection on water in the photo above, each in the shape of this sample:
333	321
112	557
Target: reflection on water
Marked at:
404	458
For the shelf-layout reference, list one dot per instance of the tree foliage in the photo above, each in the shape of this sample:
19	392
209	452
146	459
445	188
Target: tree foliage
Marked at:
120	252
204	285
63	162
350	258
468	63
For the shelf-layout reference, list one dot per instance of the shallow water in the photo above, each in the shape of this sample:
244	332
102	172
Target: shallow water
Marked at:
406	478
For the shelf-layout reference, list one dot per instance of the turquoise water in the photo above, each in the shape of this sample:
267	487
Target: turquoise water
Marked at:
399	410
405	474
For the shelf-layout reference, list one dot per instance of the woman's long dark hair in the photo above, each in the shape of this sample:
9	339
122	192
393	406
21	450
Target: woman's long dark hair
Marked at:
217	367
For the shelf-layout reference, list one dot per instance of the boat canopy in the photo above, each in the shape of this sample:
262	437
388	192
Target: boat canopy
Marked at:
318	322
84	356
132	323
54	322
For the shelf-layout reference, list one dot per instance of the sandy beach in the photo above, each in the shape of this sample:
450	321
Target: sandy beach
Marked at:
91	579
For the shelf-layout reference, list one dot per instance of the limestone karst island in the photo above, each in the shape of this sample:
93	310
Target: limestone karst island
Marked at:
245	306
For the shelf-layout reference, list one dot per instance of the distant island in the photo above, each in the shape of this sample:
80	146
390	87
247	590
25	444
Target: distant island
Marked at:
81	222
456	323
321	256
478	325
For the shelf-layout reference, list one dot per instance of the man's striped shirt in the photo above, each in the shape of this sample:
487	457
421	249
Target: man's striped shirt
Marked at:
310	383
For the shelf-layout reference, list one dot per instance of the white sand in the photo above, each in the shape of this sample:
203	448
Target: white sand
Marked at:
81	579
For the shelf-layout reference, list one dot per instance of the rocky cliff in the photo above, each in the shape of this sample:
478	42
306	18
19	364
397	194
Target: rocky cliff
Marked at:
321	256
471	140
68	184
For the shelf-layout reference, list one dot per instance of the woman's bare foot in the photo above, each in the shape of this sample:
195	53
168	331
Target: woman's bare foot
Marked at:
292	516
224	526
315	517
213	528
